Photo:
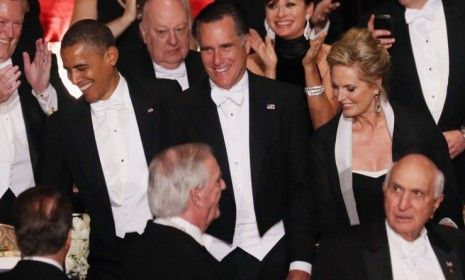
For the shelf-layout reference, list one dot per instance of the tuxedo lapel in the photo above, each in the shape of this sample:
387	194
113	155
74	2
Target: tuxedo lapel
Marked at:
263	111
194	68
83	138
376	254
456	43
148	120
451	266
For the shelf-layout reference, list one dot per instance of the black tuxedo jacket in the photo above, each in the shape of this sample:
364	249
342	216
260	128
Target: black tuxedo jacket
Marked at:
363	254
71	156
405	87
279	156
413	133
164	252
28	269
144	67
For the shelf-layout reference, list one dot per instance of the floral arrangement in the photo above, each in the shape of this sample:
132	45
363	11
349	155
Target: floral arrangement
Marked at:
76	260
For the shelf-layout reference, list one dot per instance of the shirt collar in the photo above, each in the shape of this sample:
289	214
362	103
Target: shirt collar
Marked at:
44	260
163	72
182	225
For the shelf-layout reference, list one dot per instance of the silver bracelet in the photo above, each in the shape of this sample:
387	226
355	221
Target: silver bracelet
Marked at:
314	90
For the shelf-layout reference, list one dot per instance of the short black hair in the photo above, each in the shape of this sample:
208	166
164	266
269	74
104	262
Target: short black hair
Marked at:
91	32
216	11
42	219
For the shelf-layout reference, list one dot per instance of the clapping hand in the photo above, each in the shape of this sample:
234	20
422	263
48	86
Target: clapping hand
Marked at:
322	11
265	51
130	8
383	36
310	58
9	82
38	72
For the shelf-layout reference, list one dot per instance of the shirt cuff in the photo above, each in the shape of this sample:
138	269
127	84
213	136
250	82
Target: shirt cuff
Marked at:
448	222
313	36
300	265
47	99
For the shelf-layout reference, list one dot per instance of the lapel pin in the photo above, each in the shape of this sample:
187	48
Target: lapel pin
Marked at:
270	107
150	110
450	266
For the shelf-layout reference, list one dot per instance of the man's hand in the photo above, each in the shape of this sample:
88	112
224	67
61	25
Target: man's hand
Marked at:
383	36
455	142
9	82
38	72
298	275
322	11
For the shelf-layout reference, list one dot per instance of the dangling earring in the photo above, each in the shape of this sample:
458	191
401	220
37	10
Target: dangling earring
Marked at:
377	103
269	32
308	29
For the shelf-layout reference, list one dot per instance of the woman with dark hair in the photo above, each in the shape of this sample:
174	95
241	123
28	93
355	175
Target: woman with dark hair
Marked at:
352	153
292	54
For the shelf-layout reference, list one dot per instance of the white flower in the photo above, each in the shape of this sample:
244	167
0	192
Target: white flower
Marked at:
76	260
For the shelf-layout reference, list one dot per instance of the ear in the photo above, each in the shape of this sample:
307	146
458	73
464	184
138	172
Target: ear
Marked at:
379	82
111	55
437	202
247	43
310	9
68	241
143	31
195	197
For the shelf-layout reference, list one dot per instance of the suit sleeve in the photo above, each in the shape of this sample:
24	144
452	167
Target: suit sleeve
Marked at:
301	218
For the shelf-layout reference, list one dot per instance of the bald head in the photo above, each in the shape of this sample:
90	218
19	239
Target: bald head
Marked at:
412	193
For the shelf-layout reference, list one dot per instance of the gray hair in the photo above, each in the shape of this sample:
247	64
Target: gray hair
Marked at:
185	3
438	180
173	173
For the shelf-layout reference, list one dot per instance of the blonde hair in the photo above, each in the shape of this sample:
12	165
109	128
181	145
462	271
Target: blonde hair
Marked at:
357	48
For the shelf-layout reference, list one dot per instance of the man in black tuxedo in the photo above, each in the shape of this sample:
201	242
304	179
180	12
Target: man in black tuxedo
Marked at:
43	222
259	131
103	144
165	29
28	93
184	190
428	53
403	247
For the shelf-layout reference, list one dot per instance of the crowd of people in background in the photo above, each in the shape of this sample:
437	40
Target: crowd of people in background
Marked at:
217	147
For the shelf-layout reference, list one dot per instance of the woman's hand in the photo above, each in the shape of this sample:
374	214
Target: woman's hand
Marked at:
310	59
265	51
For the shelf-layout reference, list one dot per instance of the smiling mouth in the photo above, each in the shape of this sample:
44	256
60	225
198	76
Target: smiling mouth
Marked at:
85	87
222	69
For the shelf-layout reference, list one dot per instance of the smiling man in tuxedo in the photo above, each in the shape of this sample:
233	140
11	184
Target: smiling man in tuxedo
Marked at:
103	144
259	131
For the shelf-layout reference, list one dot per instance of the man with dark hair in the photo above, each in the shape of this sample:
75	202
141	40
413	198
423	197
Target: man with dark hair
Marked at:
43	222
184	190
259	131
165	28
28	93
103	144
405	246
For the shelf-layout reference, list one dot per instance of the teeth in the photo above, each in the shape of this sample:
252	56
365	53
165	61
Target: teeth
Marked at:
4	41
84	87
222	69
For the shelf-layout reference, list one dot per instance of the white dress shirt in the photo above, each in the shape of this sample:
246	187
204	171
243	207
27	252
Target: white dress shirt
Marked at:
233	111
413	260
179	74
428	35
183	225
123	160
15	162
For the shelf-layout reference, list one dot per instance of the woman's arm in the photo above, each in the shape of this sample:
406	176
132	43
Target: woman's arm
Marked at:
87	9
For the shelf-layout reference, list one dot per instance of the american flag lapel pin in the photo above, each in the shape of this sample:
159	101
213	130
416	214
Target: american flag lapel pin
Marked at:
150	110
450	267
270	106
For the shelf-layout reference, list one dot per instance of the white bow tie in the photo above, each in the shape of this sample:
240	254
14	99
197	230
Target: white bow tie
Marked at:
170	74
100	107
412	14
220	96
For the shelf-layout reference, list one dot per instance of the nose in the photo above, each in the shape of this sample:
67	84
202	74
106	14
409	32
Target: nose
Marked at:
74	77
281	11
217	57
404	201
339	95
173	38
